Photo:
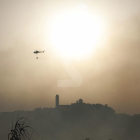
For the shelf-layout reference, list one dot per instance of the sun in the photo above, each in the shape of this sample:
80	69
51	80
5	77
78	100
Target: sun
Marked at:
76	33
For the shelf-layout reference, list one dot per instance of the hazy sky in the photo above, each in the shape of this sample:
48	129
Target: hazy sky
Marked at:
110	74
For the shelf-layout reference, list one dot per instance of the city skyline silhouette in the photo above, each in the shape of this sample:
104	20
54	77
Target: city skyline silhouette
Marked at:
94	121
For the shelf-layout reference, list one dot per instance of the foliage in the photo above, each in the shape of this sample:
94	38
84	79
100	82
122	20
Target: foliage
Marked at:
20	130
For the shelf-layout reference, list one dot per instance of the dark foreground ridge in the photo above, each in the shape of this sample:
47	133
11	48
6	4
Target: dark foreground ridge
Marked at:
75	122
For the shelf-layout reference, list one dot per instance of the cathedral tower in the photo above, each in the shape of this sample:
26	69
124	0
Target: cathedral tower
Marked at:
57	101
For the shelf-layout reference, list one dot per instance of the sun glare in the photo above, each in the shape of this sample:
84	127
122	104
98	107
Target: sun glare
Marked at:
76	33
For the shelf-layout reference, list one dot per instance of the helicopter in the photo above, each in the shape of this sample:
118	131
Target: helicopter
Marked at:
36	52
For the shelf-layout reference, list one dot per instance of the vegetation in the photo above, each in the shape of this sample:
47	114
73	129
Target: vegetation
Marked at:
20	130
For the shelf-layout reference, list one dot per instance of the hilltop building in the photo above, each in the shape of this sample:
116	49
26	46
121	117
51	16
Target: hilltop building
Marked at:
80	105
65	107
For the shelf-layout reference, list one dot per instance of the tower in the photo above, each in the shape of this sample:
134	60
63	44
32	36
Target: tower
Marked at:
57	101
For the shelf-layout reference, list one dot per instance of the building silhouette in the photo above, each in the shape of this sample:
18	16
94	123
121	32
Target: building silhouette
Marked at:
79	105
76	121
57	101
